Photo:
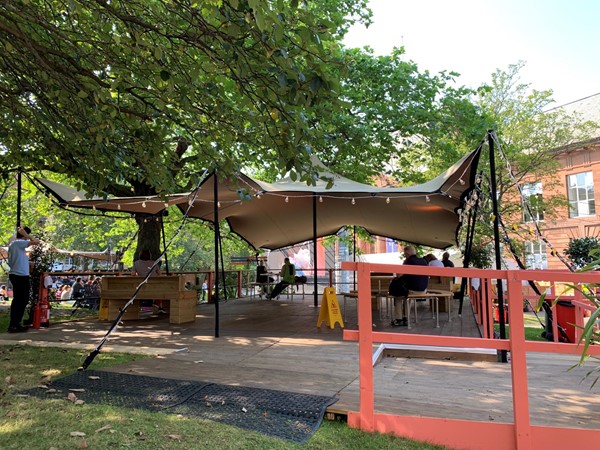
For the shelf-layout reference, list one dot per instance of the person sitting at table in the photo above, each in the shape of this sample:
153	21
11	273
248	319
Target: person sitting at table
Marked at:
145	264
446	260
288	276
262	277
432	260
406	284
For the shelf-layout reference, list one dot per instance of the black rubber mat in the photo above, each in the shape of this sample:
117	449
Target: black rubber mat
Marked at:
286	415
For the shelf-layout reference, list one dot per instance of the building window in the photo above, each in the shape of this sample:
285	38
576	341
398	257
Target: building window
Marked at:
580	190
533	202
535	255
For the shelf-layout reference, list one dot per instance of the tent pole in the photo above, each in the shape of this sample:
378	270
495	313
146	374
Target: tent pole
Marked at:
217	233
493	186
162	229
19	182
315	287
354	255
468	251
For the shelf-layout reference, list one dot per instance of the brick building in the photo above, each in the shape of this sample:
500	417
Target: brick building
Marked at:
579	182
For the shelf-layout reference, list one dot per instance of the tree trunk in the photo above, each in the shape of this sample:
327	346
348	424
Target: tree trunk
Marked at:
148	236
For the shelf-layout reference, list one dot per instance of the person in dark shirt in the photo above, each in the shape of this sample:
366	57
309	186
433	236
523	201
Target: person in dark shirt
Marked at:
446	260
407	284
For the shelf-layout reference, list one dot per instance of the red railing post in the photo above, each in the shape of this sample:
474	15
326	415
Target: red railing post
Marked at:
365	349
520	390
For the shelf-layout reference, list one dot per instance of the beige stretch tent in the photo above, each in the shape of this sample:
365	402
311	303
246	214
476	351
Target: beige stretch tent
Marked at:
68	196
287	212
280	214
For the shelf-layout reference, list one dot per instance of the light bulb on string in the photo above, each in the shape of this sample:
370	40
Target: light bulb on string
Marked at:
387	200
353	201
287	199
218	204
119	206
427	199
461	181
166	204
143	204
320	199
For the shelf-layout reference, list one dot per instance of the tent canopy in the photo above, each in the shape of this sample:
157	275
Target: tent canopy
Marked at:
153	204
280	214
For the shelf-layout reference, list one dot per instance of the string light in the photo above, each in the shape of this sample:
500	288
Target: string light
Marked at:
143	204
287	199
258	196
427	199
166	204
94	207
320	199
218	204
353	201
387	200
119	206
461	181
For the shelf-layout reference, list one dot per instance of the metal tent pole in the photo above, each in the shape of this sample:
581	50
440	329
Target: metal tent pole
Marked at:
494	196
315	286
19	183
162	228
217	233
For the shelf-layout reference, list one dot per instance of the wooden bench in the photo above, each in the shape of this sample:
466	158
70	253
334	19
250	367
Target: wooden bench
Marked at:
116	292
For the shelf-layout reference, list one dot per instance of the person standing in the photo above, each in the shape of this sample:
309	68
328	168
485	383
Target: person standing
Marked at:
18	275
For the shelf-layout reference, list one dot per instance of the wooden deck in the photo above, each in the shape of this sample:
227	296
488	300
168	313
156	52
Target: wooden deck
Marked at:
276	345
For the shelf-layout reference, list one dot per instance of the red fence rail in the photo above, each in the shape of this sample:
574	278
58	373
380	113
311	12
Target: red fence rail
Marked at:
466	434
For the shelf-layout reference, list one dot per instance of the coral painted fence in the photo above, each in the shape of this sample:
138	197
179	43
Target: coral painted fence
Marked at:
467	434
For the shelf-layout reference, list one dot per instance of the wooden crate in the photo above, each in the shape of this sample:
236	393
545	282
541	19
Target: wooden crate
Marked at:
181	303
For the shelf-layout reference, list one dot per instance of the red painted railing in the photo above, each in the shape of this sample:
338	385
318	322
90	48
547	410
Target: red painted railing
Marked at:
466	434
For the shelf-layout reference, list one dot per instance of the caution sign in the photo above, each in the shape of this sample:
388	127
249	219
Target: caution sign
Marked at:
330	309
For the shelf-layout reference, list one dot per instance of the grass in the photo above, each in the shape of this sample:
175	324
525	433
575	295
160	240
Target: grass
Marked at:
34	423
59	312
533	328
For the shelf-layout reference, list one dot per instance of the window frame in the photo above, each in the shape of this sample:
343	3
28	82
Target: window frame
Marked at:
575	197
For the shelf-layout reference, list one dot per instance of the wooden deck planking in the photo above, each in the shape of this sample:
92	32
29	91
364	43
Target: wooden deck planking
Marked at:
276	345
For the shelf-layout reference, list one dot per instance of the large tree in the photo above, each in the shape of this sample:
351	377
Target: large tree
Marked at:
139	97
134	96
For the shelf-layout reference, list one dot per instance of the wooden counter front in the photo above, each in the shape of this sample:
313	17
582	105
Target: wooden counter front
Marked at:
116	292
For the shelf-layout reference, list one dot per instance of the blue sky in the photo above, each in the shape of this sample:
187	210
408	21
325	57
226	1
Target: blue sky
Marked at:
558	39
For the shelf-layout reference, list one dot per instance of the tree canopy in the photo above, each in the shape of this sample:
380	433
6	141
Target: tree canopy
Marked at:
140	97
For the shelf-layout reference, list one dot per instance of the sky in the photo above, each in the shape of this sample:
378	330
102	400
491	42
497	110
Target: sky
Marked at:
559	40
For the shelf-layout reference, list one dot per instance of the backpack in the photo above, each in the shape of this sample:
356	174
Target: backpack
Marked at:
398	287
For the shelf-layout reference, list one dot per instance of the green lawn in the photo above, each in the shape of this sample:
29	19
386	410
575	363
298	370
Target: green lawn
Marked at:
34	423
533	328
